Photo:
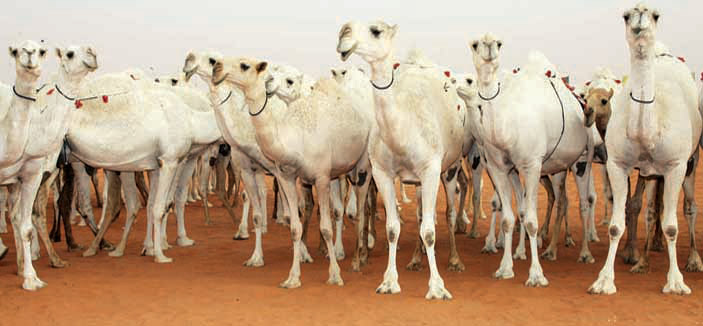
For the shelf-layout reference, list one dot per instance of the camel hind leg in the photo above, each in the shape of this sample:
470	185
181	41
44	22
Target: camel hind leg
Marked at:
110	212
449	181
690	209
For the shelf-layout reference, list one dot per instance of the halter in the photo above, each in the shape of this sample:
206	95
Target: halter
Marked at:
226	99
642	101
387	86
492	97
33	99
62	93
563	122
263	107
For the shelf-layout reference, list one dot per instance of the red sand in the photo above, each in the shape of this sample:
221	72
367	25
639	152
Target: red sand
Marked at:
207	284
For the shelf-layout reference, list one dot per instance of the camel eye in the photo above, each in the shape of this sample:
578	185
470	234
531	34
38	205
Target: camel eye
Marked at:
344	72
603	102
626	17
212	61
174	81
474	46
334	73
469	81
42	52
70	54
375	31
583	96
244	66
289	82
156	80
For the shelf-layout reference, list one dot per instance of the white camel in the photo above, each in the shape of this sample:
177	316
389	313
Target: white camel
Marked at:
23	155
531	124
419	138
316	139
655	126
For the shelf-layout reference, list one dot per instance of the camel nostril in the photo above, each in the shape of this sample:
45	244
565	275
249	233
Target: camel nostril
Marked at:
636	30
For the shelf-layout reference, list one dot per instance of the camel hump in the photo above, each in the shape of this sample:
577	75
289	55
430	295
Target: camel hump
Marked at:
416	57
537	63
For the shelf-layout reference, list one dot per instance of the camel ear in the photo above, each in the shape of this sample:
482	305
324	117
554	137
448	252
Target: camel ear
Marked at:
13	52
58	53
610	94
261	66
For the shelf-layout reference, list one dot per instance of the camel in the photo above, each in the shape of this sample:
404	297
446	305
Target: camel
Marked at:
165	133
415	97
302	138
23	159
551	146
658	126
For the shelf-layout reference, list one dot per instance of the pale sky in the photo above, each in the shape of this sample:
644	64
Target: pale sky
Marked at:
577	36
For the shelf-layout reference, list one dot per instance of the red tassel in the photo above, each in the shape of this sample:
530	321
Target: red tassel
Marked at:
458	107
681	59
702	76
549	73
51	91
618	81
515	71
104	98
396	65
78	104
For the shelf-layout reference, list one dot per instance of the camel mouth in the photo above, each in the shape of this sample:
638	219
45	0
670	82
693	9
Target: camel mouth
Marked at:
91	68
218	82
345	54
189	73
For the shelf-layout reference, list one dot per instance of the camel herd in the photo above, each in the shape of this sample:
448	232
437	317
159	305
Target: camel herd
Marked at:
353	136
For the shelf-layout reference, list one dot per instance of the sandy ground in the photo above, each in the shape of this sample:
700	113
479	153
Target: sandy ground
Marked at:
207	284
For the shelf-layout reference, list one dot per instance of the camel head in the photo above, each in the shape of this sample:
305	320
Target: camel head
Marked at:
344	75
640	28
371	41
177	79
287	83
28	56
200	63
244	73
75	62
486	54
466	86
598	109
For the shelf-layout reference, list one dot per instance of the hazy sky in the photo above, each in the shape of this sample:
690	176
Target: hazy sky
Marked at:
576	35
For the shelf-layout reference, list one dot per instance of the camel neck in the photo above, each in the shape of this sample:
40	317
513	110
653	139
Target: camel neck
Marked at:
15	125
382	71
487	82
261	110
642	77
70	85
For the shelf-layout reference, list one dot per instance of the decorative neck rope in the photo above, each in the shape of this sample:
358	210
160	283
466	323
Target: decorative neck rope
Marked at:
642	101
488	99
395	66
263	107
24	97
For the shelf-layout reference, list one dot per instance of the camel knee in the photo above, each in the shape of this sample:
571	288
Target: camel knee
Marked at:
428	238
614	231
591	199
508	224
531	227
296	230
326	232
671	231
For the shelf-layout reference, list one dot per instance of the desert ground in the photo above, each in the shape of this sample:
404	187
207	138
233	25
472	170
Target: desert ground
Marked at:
208	285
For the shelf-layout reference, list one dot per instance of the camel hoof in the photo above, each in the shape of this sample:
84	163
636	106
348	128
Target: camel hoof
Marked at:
35	256
694	263
335	279
116	253
33	283
536	280
676	287
438	293
569	242
305	257
388	287
489	249
586	258
631	255
457	266
147	251
339	254
291	283
255	261
504	274
520	255
185	242
59	263
90	252
549	254
603	285
593	237
161	259
106	246
473	234
414	266
642	267
241	236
